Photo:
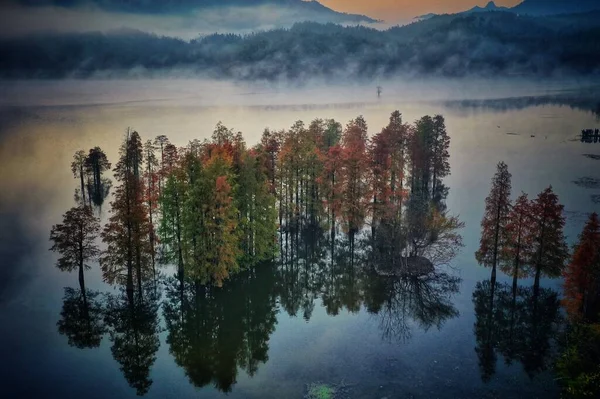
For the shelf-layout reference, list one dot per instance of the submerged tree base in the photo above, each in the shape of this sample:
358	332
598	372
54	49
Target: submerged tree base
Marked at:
409	266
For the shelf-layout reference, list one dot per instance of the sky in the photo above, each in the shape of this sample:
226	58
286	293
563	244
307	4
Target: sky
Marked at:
403	9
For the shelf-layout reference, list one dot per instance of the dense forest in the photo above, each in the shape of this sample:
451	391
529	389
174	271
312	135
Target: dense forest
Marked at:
481	44
221	236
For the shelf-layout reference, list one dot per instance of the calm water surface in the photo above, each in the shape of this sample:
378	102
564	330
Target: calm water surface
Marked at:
272	333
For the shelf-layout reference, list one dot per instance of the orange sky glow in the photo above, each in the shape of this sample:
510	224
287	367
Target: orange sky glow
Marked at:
395	10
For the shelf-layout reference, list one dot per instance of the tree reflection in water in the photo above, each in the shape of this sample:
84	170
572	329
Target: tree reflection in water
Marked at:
132	321
401	280
397	301
213	331
516	323
81	318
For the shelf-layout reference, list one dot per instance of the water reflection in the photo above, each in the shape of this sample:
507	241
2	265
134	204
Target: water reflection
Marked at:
403	282
400	301
132	321
214	331
82	318
584	100
516	322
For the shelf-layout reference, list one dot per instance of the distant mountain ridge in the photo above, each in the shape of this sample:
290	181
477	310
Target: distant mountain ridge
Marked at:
304	9
491	6
484	44
535	8
553	7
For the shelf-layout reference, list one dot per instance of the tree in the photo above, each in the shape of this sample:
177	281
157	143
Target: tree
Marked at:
151	180
79	171
331	183
380	157
161	142
257	214
96	164
548	246
421	144
398	135
495	219
75	240
354	167
127	231
516	254
171	200
269	152
440	164
582	275
221	247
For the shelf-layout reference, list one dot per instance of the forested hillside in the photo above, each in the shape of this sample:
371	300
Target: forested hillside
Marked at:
480	44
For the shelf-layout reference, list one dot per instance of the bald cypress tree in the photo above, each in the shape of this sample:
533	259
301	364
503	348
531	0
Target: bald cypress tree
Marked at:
582	275
74	239
549	246
495	220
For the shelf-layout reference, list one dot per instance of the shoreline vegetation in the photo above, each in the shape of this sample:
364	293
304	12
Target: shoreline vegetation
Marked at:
486	44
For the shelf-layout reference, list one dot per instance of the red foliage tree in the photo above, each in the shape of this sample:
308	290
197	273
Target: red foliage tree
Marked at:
381	162
355	164
548	245
331	182
582	275
516	254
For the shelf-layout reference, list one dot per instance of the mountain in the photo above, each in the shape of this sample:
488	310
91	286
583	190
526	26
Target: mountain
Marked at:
484	44
491	6
554	7
535	8
303	10
425	16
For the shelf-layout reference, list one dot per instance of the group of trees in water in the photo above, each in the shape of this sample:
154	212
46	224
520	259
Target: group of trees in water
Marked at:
317	211
526	239
292	212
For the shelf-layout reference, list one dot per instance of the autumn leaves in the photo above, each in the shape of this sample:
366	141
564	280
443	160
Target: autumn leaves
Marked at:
525	239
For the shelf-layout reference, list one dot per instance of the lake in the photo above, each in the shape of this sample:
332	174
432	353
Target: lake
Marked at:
285	326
